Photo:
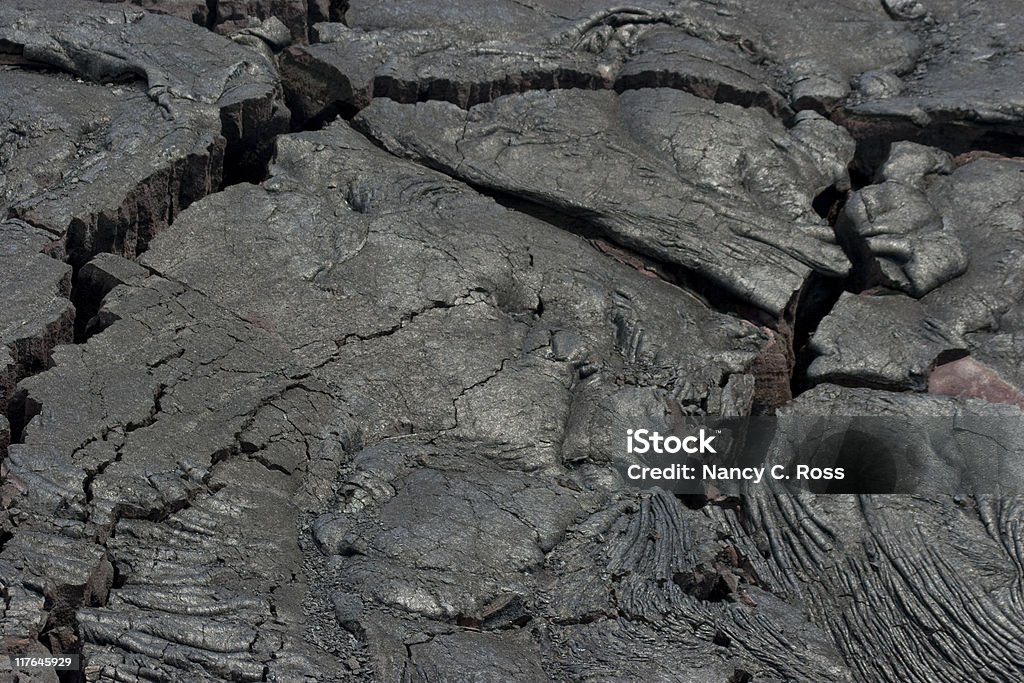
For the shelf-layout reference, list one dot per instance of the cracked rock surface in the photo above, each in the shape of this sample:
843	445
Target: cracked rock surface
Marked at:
323	324
629	170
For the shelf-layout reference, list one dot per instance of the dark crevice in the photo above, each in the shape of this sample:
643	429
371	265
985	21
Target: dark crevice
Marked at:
20	411
338	10
250	141
68	676
707	585
327	116
829	203
876	135
211	14
722	93
820	293
862	383
466	95
86	300
817	300
308	112
861	173
405	320
120	578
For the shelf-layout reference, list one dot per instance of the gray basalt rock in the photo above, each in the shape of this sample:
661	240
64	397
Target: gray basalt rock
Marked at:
365	417
958	557
83	173
760	248
196	11
881	341
234	17
899	237
991	232
104	43
966	92
36	315
905	442
224	396
348	67
87	168
895	341
801	64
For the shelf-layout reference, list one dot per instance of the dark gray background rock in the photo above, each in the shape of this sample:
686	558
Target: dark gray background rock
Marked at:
322	325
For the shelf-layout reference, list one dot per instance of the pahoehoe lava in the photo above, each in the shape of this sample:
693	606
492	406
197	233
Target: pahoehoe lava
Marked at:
322	323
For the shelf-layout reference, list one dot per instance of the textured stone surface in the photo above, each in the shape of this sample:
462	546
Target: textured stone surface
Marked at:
759	248
899	231
881	341
967	90
350	401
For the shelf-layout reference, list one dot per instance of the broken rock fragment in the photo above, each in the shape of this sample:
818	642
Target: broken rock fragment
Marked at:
881	341
899	238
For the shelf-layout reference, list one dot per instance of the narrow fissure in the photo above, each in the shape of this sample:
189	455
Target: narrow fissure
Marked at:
211	14
875	137
693	282
817	300
86	301
820	293
20	411
467	96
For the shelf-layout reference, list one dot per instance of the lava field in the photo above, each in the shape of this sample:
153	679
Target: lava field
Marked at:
322	325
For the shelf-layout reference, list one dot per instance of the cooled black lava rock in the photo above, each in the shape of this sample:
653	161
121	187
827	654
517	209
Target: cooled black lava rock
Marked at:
919	235
657	171
967	90
364	417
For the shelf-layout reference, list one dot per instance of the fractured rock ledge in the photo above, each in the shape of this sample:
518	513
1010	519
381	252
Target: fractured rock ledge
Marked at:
622	165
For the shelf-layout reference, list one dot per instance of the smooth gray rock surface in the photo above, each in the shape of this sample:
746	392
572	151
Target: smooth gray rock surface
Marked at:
882	341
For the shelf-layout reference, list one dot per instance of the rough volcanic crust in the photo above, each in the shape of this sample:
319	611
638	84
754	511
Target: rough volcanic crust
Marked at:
348	401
